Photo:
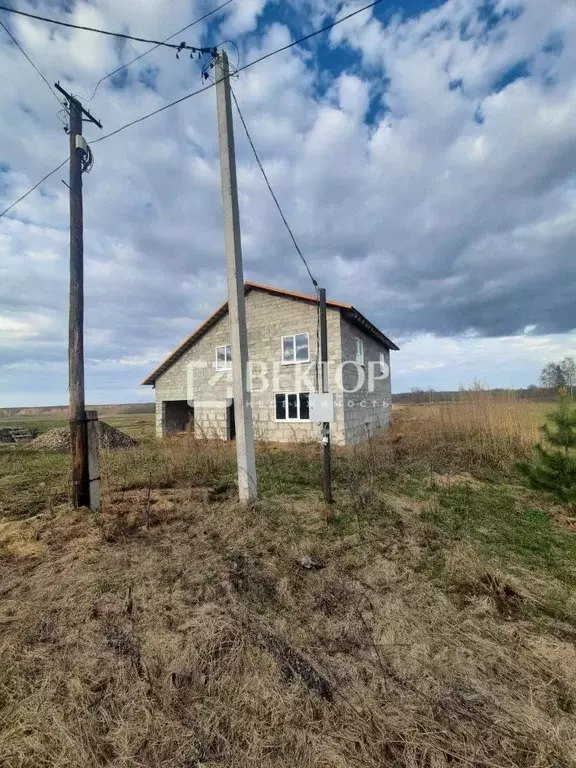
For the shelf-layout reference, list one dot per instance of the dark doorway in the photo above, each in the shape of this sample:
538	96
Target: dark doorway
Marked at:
179	417
230	422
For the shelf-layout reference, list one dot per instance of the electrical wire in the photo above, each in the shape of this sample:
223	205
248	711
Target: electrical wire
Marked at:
42	180
157	43
231	42
296	246
241	69
87	160
128	64
280	211
310	35
17	44
200	90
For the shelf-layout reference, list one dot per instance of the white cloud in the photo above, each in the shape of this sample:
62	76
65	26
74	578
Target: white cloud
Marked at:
243	17
29	326
511	361
436	225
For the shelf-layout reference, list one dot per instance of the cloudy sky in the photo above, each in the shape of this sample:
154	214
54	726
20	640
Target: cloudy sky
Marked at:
424	153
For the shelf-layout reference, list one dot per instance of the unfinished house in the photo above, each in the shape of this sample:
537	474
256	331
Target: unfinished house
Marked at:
193	386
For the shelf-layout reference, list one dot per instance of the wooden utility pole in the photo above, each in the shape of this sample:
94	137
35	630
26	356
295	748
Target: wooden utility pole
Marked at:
326	458
245	455
78	432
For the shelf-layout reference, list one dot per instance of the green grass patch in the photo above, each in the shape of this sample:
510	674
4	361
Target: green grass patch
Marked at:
139	425
505	530
32	481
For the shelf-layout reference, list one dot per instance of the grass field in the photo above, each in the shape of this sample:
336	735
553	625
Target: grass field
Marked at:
177	629
136	424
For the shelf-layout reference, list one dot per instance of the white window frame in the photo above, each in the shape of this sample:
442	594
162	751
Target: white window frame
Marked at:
287	419
382	362
359	351
293	337
227	363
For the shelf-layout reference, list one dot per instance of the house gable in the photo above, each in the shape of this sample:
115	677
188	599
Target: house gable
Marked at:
347	311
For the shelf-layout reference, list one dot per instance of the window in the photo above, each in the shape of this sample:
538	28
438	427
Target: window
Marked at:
382	363
359	351
295	349
224	358
292	407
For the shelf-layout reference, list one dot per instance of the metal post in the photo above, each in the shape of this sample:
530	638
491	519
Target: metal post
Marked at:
78	440
247	483
326	458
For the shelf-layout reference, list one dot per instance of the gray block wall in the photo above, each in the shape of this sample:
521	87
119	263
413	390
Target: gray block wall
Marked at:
369	408
269	317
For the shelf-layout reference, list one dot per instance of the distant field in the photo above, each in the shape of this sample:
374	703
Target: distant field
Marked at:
495	414
136	424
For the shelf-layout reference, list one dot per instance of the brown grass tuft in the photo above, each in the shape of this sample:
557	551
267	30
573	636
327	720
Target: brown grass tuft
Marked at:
481	431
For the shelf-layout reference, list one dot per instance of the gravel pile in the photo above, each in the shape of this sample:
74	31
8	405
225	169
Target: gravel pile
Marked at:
59	439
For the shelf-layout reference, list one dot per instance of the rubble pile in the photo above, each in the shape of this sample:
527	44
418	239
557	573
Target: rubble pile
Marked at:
59	439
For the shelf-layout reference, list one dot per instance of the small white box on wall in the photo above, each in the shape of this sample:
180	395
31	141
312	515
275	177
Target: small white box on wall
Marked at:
322	407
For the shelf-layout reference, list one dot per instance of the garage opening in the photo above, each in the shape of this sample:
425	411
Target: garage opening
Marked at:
179	416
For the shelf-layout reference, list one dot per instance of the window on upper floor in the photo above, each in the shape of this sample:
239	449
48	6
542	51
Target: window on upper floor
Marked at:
292	406
359	351
382	363
224	358
296	348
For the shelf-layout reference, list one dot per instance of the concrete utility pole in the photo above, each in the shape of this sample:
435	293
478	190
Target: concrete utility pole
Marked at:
78	431
247	483
326	458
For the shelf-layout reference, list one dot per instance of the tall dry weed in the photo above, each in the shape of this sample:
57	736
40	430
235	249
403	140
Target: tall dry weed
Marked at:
479	431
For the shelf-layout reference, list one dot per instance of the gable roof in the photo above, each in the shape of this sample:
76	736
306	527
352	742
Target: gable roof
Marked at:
347	310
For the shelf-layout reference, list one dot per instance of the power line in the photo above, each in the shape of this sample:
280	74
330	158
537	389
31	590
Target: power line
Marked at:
136	58
42	180
299	252
157	43
241	69
312	34
17	44
155	112
314	283
200	90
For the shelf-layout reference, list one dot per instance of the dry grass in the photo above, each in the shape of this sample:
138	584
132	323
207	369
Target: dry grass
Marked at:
133	641
176	629
481	430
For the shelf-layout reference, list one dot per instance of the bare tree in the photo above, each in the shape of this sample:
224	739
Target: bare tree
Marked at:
552	376
568	367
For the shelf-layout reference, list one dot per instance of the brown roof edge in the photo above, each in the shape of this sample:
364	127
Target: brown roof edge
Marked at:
295	295
186	344
353	314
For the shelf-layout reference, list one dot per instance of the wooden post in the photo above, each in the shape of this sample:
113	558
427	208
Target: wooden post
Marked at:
78	438
94	490
78	442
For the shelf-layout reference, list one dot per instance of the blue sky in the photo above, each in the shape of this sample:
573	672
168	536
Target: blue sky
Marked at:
423	152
